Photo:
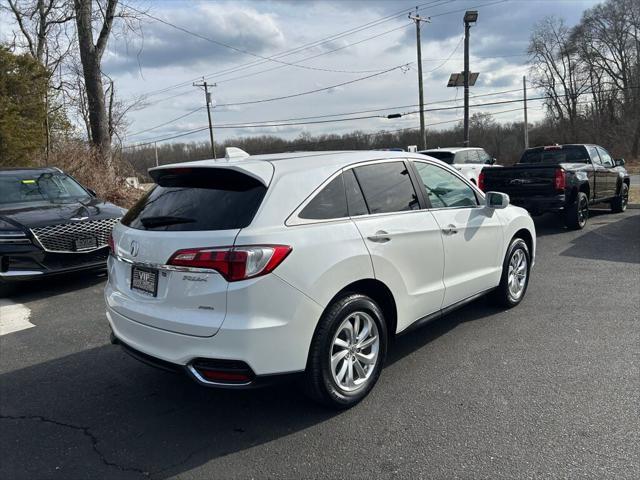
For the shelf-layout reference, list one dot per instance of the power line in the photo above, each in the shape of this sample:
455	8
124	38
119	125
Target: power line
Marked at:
327	115
306	46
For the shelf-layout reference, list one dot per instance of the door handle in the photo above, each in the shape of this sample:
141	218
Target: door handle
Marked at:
450	230
380	237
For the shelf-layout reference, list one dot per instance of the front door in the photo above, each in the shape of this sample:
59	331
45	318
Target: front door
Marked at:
404	241
471	233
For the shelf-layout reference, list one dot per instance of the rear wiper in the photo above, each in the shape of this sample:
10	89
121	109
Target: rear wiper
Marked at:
164	220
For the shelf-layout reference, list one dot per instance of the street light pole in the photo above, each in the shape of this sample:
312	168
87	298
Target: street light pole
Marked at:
471	16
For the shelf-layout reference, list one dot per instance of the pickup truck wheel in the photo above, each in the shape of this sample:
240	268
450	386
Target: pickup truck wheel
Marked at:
515	275
619	204
347	352
578	213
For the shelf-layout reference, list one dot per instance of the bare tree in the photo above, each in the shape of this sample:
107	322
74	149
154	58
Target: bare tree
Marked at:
556	69
91	57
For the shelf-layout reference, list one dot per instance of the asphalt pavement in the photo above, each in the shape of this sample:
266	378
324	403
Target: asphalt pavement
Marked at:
549	389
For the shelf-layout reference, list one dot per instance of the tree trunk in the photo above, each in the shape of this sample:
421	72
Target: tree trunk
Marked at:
91	58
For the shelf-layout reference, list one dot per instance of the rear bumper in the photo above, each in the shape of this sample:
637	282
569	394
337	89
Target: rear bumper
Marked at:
538	205
268	326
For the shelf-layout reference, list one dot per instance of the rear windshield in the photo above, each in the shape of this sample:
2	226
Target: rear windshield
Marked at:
555	155
446	157
197	199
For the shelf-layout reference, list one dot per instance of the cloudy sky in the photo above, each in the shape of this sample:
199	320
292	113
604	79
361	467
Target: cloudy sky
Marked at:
317	44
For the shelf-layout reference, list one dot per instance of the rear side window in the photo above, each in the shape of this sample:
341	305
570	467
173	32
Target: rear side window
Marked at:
472	156
198	199
331	202
387	187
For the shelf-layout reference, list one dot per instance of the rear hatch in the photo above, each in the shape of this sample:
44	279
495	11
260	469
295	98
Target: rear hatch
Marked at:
190	207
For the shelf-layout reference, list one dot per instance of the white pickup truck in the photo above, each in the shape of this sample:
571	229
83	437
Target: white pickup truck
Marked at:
468	160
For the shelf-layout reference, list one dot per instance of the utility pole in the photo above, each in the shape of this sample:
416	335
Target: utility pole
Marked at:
471	16
155	144
417	19
207	97
526	122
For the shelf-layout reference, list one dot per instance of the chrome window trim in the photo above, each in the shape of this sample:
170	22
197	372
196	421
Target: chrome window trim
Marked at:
295	220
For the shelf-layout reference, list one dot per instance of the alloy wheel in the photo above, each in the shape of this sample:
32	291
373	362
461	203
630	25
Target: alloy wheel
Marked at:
354	351
517	276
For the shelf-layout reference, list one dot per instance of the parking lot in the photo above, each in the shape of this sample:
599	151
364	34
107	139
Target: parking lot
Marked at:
548	389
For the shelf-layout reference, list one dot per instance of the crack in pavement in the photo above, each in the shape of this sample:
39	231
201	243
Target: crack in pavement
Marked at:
87	433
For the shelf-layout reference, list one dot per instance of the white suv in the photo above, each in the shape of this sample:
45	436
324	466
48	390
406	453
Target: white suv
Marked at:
469	161
239	271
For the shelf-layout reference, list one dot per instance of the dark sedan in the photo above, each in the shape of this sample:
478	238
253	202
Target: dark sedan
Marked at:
51	224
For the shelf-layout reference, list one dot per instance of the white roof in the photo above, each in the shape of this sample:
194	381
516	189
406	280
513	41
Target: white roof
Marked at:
449	149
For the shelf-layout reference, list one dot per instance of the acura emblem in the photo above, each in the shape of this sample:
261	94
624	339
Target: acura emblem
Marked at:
135	246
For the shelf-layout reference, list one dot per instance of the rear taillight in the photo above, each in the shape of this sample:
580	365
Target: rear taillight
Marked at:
112	245
560	180
481	180
233	263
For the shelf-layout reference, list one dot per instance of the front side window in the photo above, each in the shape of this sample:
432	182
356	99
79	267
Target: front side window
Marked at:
445	190
329	203
484	157
607	161
593	153
472	156
387	187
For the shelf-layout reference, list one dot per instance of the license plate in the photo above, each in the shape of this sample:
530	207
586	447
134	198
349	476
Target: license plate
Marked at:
144	280
86	243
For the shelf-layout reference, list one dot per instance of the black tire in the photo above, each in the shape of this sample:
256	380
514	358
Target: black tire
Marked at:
577	214
503	295
319	380
619	204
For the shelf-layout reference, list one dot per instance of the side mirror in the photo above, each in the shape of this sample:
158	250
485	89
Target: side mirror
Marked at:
490	161
619	162
92	192
496	200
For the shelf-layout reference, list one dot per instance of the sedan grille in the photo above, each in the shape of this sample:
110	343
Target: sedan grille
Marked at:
75	236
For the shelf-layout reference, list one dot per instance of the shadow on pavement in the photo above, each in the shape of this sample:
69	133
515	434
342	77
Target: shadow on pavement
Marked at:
107	414
617	241
31	290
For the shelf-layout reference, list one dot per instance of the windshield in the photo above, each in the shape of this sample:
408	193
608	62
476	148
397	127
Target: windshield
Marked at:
33	187
555	155
446	157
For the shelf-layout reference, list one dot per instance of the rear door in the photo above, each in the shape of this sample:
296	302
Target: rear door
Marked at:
403	239
190	208
471	234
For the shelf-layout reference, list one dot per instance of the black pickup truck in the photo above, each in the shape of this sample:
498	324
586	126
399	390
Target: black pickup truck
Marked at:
562	178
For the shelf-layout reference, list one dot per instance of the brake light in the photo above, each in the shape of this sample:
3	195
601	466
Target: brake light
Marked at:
111	243
233	263
481	180
560	180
